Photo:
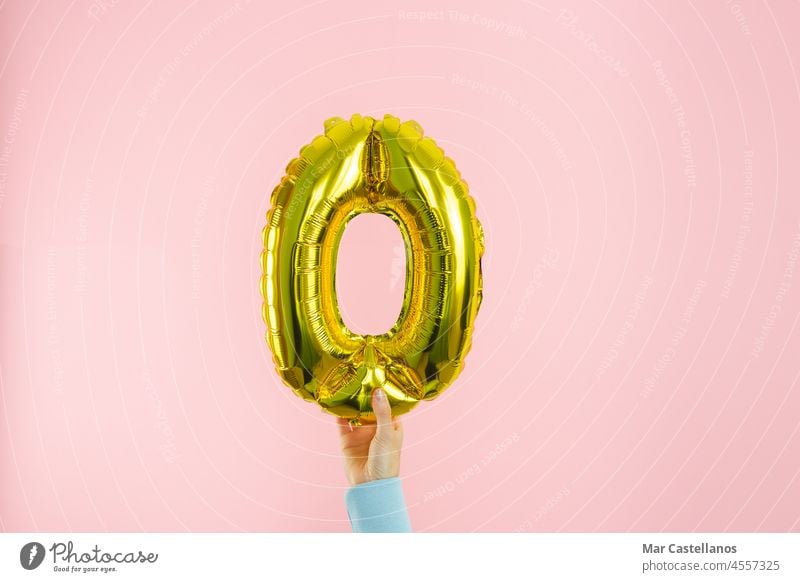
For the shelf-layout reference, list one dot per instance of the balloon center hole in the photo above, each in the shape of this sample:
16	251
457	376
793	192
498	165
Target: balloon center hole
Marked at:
370	274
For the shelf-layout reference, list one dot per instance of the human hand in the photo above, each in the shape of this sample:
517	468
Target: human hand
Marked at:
372	451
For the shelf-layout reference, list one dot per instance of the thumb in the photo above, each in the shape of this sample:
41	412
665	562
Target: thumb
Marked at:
383	414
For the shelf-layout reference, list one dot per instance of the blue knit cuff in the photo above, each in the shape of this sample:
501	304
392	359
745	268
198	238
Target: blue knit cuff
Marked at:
378	506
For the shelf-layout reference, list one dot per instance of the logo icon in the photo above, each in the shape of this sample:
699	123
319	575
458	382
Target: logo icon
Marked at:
31	555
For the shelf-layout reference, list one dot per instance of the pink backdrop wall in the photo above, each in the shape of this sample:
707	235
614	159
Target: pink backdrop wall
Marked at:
635	169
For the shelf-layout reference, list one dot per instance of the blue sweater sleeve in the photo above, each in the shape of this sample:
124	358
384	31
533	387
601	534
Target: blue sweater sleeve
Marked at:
378	506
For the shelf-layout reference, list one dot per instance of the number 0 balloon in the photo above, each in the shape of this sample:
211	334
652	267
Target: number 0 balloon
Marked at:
388	167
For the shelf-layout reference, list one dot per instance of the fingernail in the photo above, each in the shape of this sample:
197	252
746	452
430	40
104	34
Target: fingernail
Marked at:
379	394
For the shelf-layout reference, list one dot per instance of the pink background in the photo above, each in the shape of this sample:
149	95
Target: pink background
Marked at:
635	362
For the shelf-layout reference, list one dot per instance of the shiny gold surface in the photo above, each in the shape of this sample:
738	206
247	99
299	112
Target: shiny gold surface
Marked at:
384	166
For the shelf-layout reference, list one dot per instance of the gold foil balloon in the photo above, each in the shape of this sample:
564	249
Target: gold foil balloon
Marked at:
384	166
